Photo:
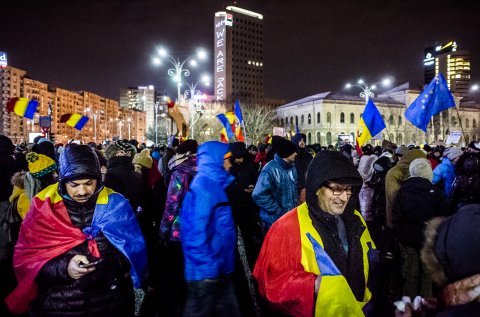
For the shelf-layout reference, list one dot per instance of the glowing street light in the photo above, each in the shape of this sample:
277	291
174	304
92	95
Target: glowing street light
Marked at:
367	89
475	88
192	87
179	68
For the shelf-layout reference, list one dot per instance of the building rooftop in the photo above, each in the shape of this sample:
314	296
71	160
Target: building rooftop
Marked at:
329	95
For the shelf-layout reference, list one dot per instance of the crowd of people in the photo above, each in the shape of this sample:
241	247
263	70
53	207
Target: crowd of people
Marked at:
216	229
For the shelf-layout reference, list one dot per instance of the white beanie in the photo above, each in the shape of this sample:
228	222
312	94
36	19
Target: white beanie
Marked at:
452	153
421	167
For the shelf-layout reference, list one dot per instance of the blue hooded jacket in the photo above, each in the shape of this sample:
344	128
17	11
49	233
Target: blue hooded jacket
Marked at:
208	231
276	190
444	171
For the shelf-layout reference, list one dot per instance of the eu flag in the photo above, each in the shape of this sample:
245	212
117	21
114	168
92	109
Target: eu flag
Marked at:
434	99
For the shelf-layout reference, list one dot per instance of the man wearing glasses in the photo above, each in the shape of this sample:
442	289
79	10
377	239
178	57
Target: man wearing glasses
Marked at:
315	260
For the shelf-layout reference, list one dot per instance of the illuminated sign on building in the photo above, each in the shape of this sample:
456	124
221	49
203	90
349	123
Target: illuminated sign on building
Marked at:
429	59
220	58
229	19
3	59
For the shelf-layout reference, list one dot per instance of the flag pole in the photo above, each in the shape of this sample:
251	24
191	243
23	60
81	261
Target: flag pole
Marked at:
461	125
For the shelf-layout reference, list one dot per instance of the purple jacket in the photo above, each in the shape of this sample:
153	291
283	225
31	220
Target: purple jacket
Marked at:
182	175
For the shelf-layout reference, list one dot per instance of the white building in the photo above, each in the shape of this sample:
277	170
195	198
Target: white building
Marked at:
325	116
140	98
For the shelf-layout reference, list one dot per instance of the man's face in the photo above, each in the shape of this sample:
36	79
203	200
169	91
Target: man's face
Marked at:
333	198
81	190
227	164
291	158
301	143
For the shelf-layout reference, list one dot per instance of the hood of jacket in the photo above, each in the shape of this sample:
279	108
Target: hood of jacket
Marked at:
450	251
409	157
187	166
77	162
329	166
210	156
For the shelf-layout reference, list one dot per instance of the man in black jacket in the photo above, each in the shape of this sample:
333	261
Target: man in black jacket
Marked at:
417	202
80	246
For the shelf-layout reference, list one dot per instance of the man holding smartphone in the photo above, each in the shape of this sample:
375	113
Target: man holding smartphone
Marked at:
80	246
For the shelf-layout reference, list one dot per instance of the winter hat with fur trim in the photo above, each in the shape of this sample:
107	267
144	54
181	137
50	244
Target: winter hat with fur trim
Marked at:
143	158
40	165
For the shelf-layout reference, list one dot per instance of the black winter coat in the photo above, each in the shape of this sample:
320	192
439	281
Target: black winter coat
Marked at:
302	161
122	178
416	202
107	291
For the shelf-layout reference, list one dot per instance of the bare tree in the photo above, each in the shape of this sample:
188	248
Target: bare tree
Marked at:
259	121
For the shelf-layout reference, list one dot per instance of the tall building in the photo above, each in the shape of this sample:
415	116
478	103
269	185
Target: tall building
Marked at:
107	119
238	47
140	98
452	63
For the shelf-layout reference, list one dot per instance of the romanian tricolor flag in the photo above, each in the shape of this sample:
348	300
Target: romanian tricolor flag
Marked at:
23	107
268	139
240	123
75	120
227	132
371	123
47	232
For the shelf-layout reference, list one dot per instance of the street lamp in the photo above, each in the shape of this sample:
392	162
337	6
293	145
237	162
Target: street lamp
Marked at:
179	68
475	88
129	121
192	87
367	89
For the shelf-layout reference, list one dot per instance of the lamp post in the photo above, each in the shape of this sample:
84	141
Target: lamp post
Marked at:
129	120
367	89
179	68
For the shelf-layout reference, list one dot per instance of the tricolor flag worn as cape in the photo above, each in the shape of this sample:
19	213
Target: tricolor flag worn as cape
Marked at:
75	120
371	123
23	107
47	232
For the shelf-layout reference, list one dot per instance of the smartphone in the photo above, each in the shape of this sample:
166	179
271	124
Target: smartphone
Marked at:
86	265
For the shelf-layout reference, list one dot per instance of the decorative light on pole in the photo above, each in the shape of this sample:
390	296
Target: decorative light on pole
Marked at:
179	68
192	87
129	122
367	89
475	88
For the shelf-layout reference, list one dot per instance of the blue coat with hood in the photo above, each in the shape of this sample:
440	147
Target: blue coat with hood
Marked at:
445	172
276	190
208	231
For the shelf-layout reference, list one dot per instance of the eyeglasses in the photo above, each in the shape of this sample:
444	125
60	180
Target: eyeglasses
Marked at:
337	191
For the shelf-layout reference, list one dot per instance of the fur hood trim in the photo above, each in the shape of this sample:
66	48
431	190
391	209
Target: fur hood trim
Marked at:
18	179
432	265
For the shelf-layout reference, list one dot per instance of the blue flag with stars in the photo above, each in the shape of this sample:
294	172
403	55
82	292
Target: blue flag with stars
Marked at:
434	99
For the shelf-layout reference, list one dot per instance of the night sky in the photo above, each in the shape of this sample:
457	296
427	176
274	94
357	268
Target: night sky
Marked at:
310	46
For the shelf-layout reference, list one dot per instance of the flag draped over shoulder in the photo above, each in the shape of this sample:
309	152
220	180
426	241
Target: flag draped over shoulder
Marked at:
371	123
47	232
23	107
74	120
434	99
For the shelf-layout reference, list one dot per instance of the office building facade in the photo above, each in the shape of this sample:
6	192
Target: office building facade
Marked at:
238	56
454	64
107	120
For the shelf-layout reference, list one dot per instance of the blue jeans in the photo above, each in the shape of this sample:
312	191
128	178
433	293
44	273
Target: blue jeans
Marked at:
208	297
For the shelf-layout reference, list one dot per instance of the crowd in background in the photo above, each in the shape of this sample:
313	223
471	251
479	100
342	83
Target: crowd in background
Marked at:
421	205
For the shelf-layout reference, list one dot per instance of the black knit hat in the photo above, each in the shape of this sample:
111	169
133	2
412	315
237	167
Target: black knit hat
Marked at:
286	148
238	149
187	146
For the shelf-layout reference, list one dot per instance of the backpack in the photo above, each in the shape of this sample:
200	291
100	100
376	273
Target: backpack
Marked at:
11	228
